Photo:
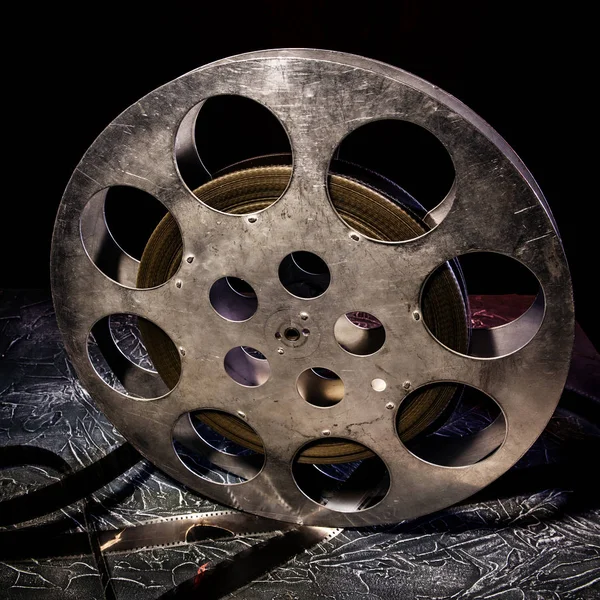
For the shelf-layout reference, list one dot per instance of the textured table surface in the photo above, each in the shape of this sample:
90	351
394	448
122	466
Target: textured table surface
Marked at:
534	534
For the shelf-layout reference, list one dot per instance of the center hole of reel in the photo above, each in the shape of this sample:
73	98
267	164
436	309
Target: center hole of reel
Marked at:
291	334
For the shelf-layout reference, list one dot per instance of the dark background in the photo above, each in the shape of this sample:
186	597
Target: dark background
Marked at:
526	69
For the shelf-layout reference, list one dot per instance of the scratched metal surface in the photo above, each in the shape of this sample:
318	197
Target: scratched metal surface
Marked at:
319	97
535	534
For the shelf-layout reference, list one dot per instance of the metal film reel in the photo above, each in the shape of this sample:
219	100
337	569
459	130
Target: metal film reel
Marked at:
296	329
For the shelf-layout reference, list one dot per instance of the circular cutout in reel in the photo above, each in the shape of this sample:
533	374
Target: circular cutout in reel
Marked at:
307	312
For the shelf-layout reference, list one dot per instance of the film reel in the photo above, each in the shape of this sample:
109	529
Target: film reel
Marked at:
298	328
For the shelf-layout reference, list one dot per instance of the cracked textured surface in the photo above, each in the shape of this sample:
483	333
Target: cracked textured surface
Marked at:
534	534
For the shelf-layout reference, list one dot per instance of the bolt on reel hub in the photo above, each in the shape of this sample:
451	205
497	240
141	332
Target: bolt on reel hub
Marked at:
295	340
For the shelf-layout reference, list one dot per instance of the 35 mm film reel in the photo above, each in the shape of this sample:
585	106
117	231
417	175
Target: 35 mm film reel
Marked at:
297	329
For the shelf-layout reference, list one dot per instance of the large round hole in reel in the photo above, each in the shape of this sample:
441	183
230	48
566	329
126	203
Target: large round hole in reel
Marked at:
324	268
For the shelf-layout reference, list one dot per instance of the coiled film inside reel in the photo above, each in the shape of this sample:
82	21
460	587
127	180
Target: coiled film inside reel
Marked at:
294	337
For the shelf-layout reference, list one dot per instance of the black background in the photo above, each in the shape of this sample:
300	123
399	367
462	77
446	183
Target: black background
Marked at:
527	69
